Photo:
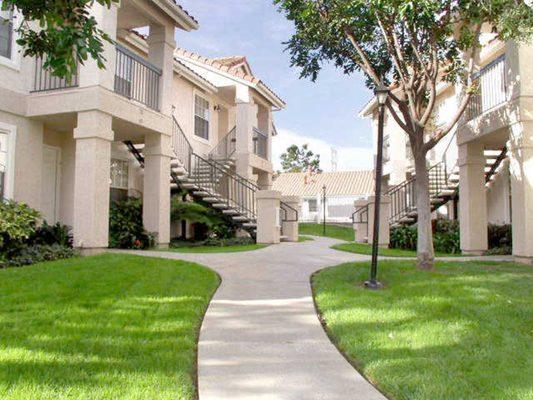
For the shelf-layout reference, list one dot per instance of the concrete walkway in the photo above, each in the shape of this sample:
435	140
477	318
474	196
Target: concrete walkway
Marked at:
261	338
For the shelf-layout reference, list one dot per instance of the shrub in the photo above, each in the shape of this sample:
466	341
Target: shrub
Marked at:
52	234
17	225
37	253
403	237
126	230
209	221
213	242
500	236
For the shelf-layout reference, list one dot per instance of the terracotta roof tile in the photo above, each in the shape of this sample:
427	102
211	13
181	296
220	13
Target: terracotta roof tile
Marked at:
227	64
185	11
345	183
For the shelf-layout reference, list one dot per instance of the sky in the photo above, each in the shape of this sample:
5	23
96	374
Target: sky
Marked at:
323	114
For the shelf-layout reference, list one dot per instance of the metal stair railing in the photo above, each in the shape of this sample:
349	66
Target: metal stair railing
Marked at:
181	146
494	167
231	190
225	148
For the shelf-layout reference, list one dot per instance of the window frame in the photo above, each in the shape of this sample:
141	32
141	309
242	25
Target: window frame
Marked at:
123	162
13	61
9	173
208	120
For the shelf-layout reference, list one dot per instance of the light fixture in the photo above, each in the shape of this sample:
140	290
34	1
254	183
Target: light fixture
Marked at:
382	93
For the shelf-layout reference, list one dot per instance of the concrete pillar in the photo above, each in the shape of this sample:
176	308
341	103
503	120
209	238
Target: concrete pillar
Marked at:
245	117
89	73
93	136
161	45
384	228
521	175
264	180
156	194
268	216
290	228
473	202
360	225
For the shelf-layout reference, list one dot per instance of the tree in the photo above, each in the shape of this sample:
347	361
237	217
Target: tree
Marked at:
62	32
297	159
410	46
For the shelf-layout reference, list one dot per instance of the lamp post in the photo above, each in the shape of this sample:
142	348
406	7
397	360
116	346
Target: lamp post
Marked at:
382	93
324	209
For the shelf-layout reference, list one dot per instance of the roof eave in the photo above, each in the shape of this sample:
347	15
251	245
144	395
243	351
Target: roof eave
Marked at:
178	14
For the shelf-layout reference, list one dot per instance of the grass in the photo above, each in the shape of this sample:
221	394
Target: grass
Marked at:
461	331
112	326
345	233
218	249
363	248
303	238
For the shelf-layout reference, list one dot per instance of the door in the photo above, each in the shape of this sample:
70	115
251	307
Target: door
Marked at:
50	184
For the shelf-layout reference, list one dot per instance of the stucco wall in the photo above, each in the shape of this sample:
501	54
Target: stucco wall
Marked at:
498	201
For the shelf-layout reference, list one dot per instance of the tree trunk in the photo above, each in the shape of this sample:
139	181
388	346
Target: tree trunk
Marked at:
425	251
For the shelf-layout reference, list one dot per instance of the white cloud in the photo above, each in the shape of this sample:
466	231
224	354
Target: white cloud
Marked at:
349	158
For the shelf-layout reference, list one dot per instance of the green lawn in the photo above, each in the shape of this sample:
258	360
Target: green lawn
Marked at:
363	248
303	238
462	331
113	326
333	231
218	249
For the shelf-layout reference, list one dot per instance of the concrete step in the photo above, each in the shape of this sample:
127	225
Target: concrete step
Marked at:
239	218
220	206
231	211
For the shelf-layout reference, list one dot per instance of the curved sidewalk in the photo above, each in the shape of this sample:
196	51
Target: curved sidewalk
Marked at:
261	337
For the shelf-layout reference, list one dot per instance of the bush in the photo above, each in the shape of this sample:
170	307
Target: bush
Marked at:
37	253
17	224
209	222
126	230
213	242
52	234
500	236
445	237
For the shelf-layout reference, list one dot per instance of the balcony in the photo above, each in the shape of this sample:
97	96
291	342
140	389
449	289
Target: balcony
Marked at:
43	79
492	89
136	78
260	141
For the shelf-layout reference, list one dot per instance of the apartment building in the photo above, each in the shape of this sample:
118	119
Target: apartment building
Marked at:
157	119
482	172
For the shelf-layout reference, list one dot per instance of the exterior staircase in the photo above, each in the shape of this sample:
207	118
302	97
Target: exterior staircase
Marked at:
212	180
443	187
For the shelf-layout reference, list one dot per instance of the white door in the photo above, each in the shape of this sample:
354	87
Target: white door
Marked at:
50	184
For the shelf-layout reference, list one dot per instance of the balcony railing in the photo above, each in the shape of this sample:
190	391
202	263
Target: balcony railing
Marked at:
136	78
225	148
260	143
43	79
492	89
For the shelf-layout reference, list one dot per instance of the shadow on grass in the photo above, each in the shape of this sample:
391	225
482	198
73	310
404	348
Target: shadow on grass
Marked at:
111	326
462	331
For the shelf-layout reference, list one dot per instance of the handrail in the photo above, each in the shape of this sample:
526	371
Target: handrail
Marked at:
286	208
180	145
225	147
43	80
361	211
136	153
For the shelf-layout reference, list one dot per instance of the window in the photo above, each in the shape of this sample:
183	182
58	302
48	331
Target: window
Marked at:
119	179
6	32
3	163
313	205
201	117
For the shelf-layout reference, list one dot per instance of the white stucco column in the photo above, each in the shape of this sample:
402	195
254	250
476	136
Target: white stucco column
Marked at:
245	117
264	180
89	73
521	174
290	228
156	193
473	201
93	136
268	216
161	45
360	225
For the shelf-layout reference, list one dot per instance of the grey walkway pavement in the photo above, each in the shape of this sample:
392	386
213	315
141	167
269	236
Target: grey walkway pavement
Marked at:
261	337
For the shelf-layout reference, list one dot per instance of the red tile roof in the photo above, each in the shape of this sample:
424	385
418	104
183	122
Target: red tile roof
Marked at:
231	65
